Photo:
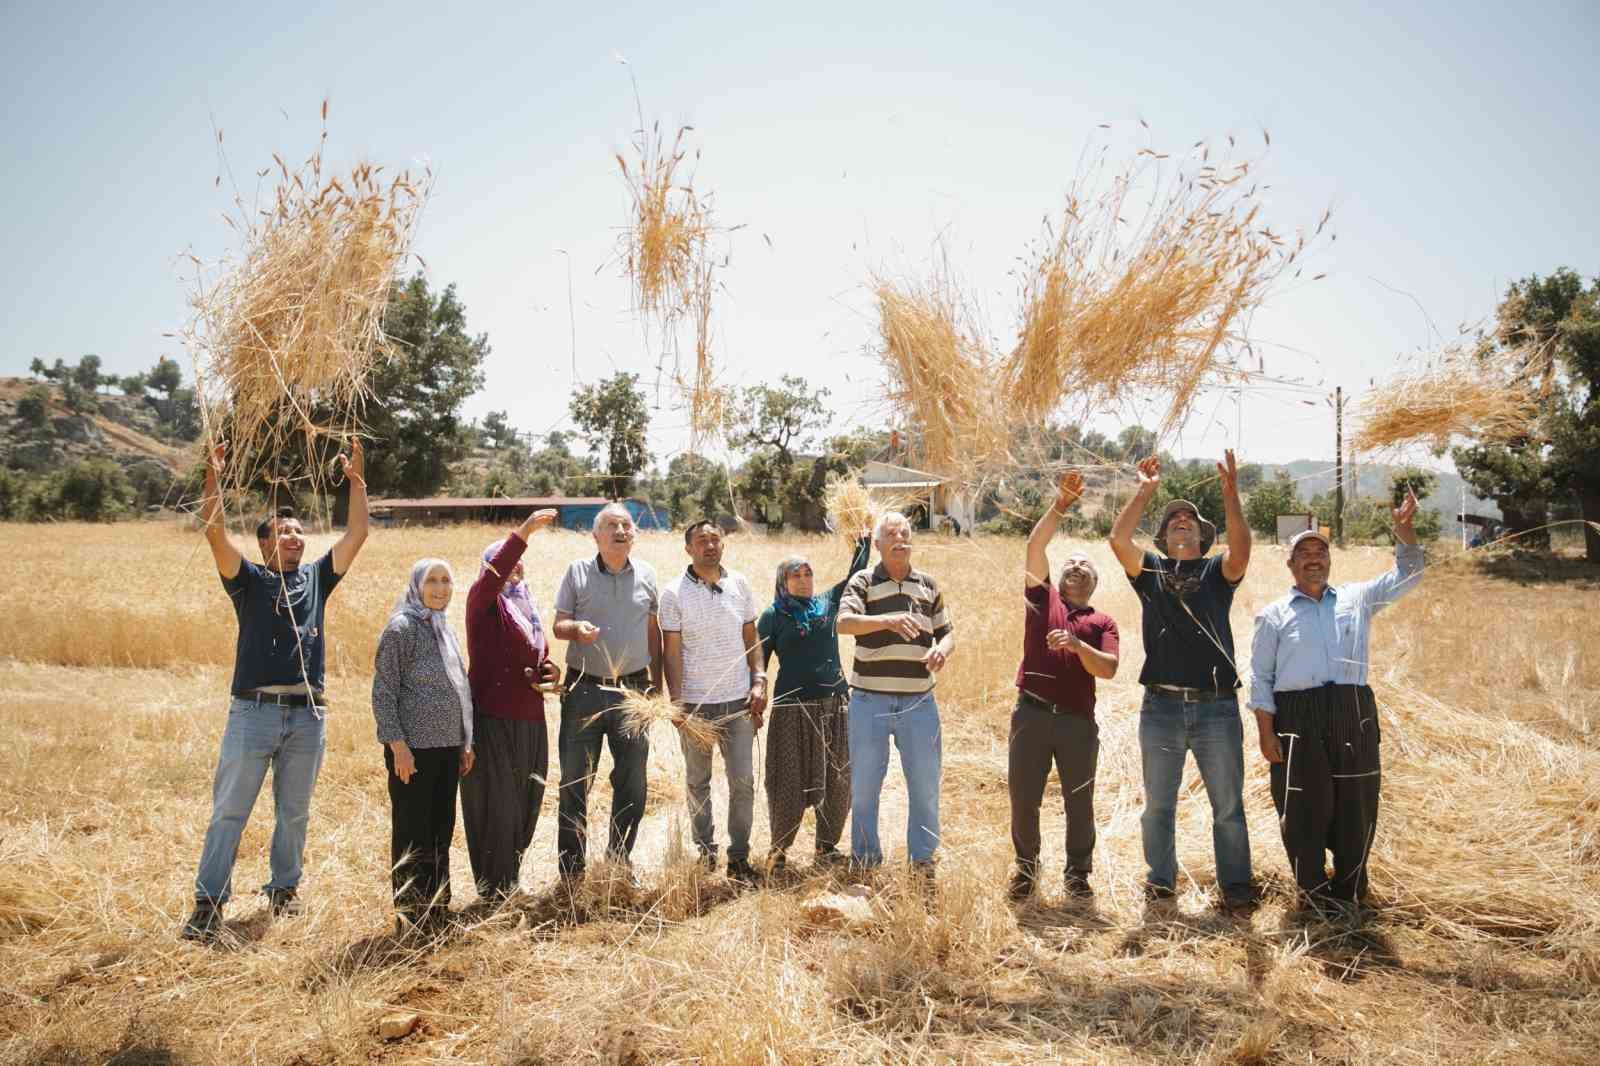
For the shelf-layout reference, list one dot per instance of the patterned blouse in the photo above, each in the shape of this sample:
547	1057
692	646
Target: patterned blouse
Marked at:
412	697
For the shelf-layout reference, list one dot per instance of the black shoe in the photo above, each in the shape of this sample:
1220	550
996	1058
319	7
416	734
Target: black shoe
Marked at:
830	857
777	866
1023	885
924	877
285	903
1078	887
1241	902
1154	893
708	862
741	872
205	924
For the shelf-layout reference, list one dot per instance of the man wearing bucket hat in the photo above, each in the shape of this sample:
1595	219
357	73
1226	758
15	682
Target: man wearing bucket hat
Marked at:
1316	716
1190	700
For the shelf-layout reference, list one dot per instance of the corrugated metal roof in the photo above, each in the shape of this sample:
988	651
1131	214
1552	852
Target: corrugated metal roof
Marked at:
441	502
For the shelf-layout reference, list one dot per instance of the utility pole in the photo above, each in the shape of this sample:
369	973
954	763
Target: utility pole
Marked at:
1338	465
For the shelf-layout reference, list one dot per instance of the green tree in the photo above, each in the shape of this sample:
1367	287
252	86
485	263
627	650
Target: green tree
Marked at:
615	421
87	373
414	414
1269	500
1422	482
1558	318
779	419
165	377
38	368
1195	481
1135	443
91	490
498	431
133	384
34	406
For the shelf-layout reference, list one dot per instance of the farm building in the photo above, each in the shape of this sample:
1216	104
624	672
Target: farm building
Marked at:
936	498
574	512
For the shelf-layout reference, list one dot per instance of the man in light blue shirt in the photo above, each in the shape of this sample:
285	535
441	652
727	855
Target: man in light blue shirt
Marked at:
1317	719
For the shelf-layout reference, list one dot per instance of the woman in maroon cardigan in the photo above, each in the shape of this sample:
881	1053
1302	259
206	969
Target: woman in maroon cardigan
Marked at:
510	656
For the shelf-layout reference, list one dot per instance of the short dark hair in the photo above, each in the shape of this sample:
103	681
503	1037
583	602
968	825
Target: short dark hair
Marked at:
265	527
688	531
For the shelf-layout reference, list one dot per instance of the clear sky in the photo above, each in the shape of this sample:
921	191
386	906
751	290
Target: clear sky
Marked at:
1457	144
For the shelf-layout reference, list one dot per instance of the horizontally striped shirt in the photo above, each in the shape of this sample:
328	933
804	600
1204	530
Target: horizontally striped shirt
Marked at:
885	661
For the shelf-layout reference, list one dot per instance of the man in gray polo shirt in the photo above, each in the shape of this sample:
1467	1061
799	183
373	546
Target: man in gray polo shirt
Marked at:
606	612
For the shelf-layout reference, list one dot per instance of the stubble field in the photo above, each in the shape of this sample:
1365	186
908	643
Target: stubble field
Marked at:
1484	945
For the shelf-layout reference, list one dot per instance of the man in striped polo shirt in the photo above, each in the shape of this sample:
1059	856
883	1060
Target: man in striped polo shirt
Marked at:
903	637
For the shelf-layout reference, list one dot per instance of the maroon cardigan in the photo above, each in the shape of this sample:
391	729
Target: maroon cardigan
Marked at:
497	647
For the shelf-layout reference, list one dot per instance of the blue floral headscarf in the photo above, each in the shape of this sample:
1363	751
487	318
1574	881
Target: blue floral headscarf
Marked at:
805	613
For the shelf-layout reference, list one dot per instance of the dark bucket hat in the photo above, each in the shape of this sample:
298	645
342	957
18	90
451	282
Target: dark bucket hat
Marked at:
1208	531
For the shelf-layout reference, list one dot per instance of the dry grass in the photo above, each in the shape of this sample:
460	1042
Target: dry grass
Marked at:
854	509
641	711
1482	948
1152	305
285	333
1460	392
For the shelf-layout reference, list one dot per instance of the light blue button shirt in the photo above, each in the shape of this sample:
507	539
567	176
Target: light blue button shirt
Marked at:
1303	643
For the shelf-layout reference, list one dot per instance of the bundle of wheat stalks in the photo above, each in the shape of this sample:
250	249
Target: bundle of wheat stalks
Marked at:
285	336
642	710
941	375
1478	392
1112	305
1117	299
854	509
667	255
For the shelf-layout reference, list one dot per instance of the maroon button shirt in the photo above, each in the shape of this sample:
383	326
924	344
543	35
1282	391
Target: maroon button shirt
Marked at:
1057	676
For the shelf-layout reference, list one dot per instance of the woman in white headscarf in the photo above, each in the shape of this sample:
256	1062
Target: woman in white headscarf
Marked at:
423	705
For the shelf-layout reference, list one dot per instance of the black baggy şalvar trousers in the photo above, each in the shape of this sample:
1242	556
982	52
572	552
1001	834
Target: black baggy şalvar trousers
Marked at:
500	799
1326	788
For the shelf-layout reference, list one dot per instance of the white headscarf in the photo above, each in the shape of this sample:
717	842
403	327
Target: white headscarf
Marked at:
410	605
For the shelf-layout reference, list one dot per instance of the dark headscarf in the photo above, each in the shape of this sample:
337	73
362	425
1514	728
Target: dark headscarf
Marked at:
804	613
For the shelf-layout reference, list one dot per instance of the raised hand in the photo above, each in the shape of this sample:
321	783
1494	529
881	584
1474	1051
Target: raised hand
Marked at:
1069	489
354	465
217	459
1406	513
1228	471
1149	473
545	517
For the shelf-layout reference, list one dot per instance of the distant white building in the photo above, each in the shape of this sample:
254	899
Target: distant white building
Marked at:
941	501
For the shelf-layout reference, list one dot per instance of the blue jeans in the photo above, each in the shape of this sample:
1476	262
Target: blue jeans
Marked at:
1168	729
913	722
258	735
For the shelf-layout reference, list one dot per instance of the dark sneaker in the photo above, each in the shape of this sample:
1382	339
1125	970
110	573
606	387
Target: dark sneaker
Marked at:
1077	885
205	924
830	857
924	877
708	862
777	866
1023	885
1154	893
1241	902
741	872
285	903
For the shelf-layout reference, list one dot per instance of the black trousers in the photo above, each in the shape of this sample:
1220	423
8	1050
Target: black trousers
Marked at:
1326	788
1041	738
808	765
500	799
423	822
592	716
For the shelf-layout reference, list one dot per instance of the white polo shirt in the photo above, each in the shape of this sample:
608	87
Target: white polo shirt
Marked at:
716	665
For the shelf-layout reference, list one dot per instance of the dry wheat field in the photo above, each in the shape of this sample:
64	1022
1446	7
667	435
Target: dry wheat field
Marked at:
1484	945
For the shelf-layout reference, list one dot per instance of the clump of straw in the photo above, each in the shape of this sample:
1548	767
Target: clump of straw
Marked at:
941	375
642	710
853	508
1149	305
667	254
285	336
1460	393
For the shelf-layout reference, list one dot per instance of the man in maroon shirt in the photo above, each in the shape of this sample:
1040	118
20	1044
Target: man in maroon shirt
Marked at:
1066	644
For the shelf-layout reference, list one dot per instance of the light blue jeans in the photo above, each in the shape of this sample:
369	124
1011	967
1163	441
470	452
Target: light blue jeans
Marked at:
291	741
913	722
1169	728
736	739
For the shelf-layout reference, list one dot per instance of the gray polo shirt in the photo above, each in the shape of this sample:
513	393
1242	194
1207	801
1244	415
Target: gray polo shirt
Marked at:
620	604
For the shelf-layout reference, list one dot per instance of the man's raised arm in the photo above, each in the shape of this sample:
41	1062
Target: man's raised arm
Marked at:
1037	568
1237	556
355	530
222	550
1121	539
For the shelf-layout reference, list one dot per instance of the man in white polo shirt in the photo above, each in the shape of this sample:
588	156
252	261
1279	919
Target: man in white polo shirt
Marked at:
713	666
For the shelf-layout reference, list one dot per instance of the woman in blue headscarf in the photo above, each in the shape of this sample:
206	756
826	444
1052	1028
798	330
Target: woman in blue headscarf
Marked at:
808	756
423	705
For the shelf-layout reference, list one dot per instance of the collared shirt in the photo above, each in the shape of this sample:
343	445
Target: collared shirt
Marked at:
281	616
885	661
711	619
1302	643
617	602
1058	676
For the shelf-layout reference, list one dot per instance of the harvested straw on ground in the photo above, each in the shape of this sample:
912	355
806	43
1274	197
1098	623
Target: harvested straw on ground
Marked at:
640	711
941	376
1459	394
285	336
1110	309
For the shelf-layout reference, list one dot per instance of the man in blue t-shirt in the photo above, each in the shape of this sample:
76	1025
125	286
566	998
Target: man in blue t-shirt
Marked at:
1189	678
275	717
